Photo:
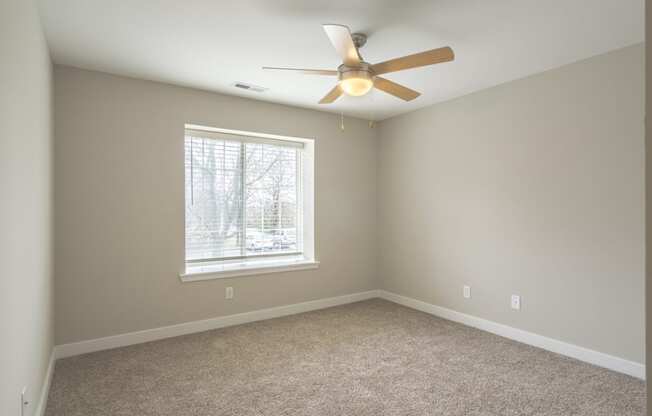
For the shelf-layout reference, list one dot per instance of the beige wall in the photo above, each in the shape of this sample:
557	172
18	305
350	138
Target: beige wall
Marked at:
26	330
119	205
648	195
535	188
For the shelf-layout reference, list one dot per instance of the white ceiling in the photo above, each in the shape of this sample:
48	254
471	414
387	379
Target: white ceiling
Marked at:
211	44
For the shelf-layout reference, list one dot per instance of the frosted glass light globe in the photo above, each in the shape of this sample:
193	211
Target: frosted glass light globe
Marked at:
356	83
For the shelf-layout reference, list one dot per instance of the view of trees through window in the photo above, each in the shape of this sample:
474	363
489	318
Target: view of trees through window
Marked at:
241	199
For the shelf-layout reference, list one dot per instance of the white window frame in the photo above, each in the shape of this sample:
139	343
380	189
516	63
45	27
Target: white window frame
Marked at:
272	264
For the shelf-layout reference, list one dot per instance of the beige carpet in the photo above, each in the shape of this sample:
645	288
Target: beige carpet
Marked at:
363	359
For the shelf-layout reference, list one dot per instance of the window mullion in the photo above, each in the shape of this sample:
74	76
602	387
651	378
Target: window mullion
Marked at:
299	200
243	200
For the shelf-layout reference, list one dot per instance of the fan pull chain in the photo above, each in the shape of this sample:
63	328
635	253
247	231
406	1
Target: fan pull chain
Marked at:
342	121
372	123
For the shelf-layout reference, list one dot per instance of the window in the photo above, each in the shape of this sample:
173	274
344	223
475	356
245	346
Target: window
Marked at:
247	203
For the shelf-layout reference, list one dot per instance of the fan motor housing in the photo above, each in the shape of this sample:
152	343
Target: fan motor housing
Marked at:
359	39
361	71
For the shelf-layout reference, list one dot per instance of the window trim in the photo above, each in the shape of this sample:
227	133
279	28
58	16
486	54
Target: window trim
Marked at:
264	264
210	272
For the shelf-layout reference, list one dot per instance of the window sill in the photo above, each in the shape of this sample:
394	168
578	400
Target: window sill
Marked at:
222	271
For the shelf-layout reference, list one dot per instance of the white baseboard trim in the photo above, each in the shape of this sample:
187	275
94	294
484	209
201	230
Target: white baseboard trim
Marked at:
45	388
131	338
580	353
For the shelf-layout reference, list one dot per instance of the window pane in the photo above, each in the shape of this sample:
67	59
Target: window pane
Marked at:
214	214
271	199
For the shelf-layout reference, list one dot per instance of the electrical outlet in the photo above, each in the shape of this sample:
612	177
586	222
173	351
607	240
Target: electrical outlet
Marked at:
228	293
23	402
467	292
516	302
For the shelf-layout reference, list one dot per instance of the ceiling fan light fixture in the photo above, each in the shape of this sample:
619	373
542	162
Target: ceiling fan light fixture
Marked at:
356	82
357	77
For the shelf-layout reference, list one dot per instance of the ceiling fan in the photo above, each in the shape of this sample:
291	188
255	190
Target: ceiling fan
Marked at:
357	77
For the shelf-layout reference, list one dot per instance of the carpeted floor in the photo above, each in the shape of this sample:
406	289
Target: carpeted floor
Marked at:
364	359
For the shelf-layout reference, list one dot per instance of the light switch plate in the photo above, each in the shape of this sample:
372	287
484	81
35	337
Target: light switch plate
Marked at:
466	292
23	402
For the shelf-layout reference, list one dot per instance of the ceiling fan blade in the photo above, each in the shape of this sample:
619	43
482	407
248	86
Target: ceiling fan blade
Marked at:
332	95
340	37
397	90
434	56
305	71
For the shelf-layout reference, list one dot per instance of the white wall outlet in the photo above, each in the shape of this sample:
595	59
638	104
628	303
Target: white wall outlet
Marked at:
228	293
467	292
516	302
23	402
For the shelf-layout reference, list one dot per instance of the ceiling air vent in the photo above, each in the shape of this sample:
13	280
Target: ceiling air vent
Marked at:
249	87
